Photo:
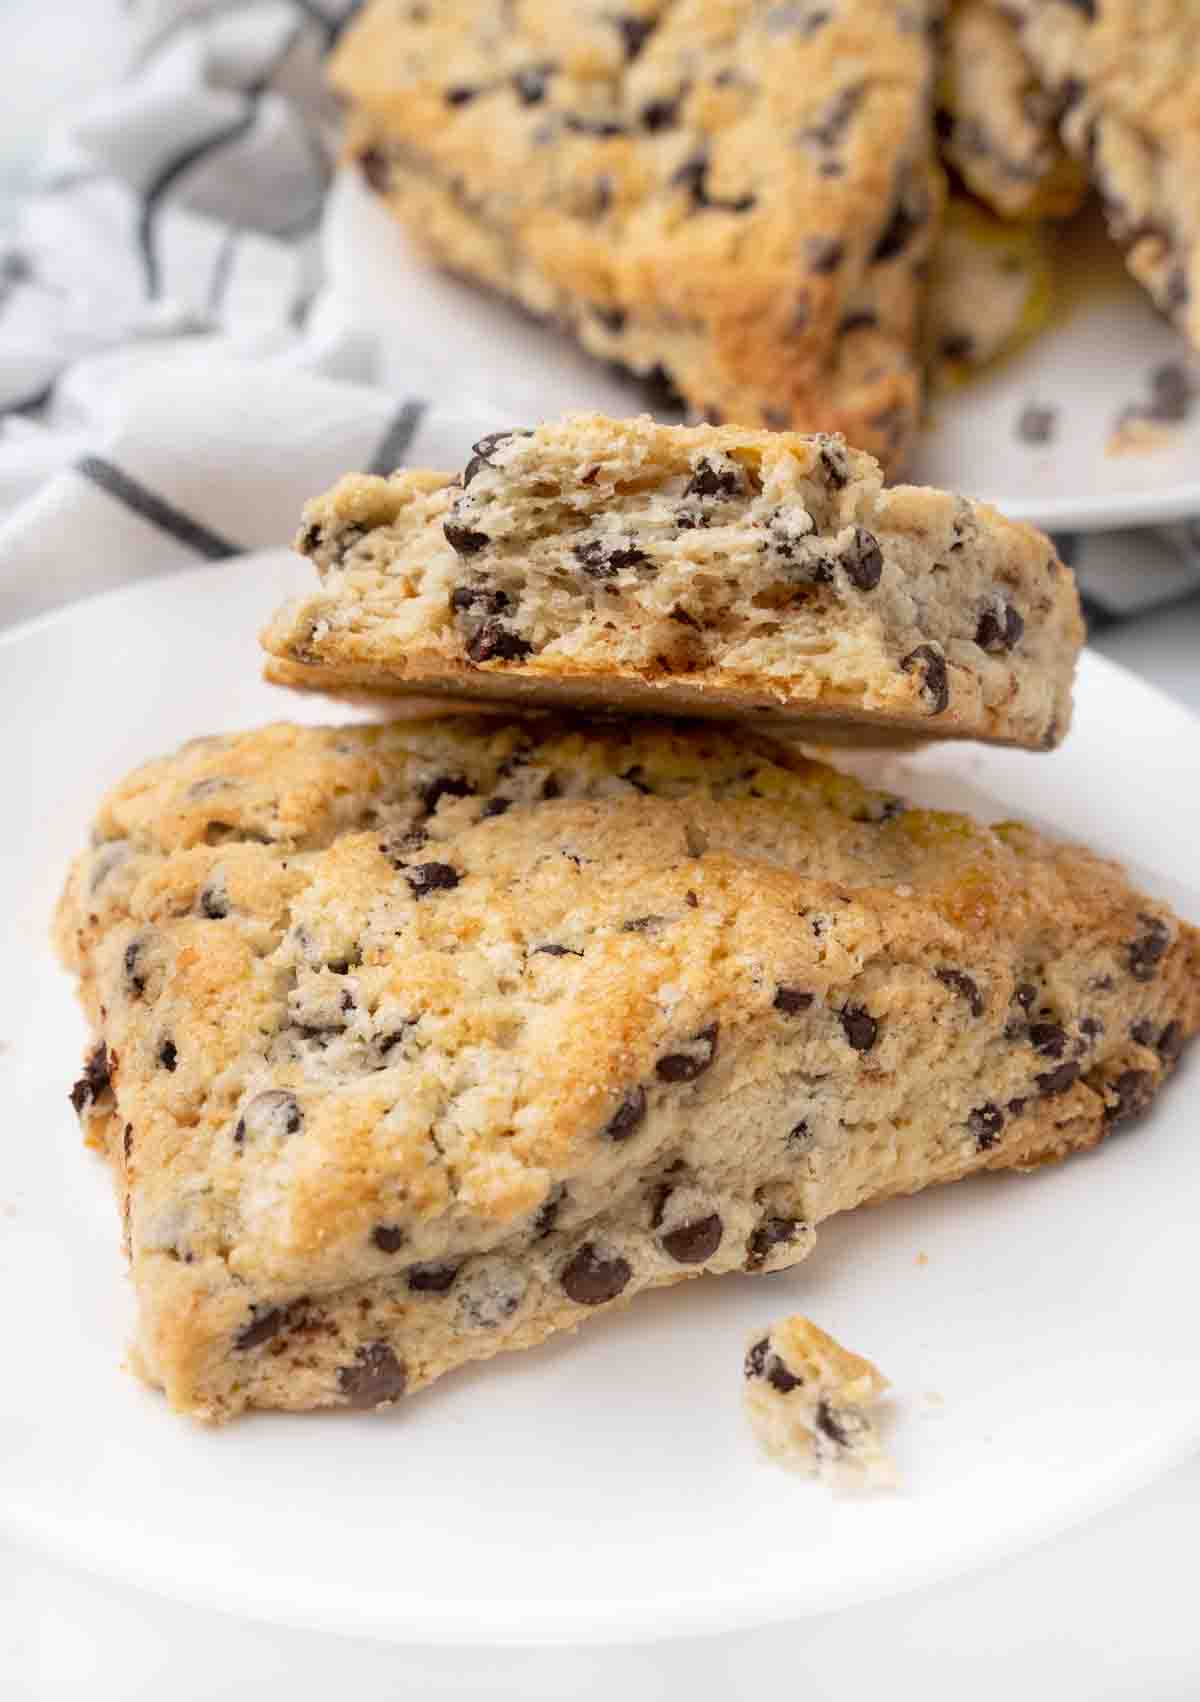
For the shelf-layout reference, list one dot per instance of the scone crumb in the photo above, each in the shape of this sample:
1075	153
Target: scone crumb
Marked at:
808	1401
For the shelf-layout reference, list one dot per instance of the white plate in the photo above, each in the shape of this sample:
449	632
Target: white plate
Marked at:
441	337
603	1486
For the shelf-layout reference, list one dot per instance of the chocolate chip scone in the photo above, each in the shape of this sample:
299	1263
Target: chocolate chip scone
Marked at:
810	1403
696	570
990	290
734	198
417	1043
1126	75
997	125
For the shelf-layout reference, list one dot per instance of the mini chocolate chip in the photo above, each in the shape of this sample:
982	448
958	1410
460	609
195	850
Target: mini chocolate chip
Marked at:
1048	1039
1178	291
934	683
962	984
266	1322
1170	1042
682	618
660	114
463	540
495	807
863	560
1016	1107
612	318
590	1278
1134	1090
834	121
95	1080
629	1116
1143	1032
134	977
635	32
707	480
127	1142
861	1028
686	1066
791	1000
373	163
1148	950
388	1237
959	345
692	1243
376	1376
1024	995
772	1232
548	1211
985	1124
214	902
636	776
756	1358
824	253
168	1057
799	1135
460	94
444	786
530	84
1091	1028
1059	1080
899	231
271	1114
861	319
780	1378
601	127
999	630
599	560
496	640
1037	423
433	1277
830	1425
661	390
482	452
425	878
836	468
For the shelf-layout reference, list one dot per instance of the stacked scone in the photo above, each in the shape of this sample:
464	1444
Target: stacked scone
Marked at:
742	200
417	1041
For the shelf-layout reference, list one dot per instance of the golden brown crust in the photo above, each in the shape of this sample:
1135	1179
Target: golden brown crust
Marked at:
420	1042
736	197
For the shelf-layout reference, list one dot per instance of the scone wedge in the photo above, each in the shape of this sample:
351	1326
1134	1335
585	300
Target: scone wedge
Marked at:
734	199
625	565
415	1043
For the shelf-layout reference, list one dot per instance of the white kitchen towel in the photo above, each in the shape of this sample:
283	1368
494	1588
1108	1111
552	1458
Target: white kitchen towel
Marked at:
176	376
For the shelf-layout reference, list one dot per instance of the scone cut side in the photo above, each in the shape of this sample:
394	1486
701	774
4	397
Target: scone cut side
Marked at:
706	571
414	1044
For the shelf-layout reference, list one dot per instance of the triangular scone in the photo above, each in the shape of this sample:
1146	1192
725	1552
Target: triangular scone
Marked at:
417	1043
733	198
1125	76
620	564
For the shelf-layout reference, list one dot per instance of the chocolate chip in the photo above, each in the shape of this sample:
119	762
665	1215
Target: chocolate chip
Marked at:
756	1358
548	1211
985	1124
1149	949
1016	1107
601	127
135	978
710	481
934	682
862	319
899	231
780	1378
628	1117
95	1080
682	618
861	1028
1090	1028
1037	423
599	560
1024	994
799	1135
127	1143
686	1066
388	1237
433	1277
1178	291
495	640
482	452
376	1376
1134	1090
831	1425
959	345
463	540
1059	1080
962	984
373	163
612	318
460	94
635	32
661	390
824	254
495	807
268	1116
835	465
835	118
772	1232
591	1278
530	85
1143	1032
1048	1039
692	175
791	1000
692	1243
660	114
478	599
266	1322
863	560
168	1057
999	629
425	878
1170	1042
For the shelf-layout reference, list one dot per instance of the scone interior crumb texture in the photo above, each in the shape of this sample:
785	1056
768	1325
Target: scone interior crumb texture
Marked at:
810	1404
414	1043
626	564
